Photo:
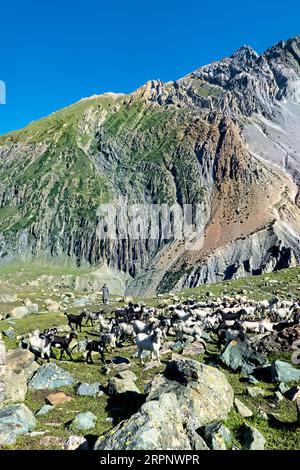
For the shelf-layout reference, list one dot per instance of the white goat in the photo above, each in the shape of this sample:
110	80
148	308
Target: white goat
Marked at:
150	342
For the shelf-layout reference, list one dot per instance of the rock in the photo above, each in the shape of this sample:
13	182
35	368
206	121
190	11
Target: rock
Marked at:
293	393
282	388
202	391
9	333
89	390
117	386
250	379
76	443
30	370
58	398
50	376
84	421
44	410
278	396
252	438
262	414
240	356
282	371
217	436
15	420
243	410
8	298
19	312
255	391
52	305
126	375
54	442
18	359
194	349
15	386
156	426
178	346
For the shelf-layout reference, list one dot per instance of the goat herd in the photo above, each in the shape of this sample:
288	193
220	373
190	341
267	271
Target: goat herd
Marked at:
227	318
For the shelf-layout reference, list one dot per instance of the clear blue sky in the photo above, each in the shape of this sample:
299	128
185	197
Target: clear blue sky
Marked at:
55	52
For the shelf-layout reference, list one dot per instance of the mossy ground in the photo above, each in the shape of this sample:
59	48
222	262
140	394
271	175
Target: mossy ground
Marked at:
280	430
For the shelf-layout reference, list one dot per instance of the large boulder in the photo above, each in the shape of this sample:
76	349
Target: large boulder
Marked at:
203	392
240	356
157	426
15	386
50	376
15	420
19	359
282	371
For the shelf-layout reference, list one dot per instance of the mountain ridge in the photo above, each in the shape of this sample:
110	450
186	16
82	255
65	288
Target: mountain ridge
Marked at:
224	138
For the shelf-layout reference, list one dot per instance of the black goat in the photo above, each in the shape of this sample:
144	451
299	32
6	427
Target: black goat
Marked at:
63	343
95	346
75	320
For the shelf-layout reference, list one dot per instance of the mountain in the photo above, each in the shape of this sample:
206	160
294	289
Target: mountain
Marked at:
224	138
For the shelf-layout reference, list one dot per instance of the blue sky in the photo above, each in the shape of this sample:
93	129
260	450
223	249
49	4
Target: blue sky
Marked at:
55	52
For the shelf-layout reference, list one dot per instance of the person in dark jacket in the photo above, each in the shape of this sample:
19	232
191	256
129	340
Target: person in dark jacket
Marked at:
105	293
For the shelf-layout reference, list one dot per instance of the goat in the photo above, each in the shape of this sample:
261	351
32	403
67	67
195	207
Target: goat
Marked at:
91	317
226	334
124	331
95	346
63	343
40	345
150	342
75	320
108	340
140	327
105	325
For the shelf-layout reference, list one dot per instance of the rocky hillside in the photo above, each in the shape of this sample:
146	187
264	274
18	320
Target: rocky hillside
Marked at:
224	138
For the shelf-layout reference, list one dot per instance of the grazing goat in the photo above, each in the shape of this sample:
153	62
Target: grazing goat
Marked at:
63	343
150	342
75	320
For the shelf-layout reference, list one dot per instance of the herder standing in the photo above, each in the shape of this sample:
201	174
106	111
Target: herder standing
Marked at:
105	293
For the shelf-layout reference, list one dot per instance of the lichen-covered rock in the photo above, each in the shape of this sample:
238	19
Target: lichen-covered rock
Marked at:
90	390
118	386
217	436
44	410
50	376
240	356
19	359
157	426
282	371
84	421
15	420
202	391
